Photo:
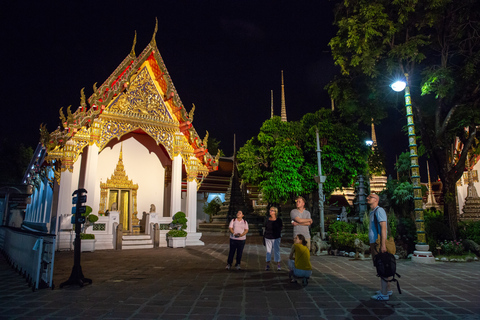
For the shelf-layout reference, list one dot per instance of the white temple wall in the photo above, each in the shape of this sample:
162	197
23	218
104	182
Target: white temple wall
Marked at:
142	168
462	190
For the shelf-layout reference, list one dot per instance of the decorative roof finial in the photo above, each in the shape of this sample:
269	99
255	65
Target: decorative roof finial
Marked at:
155	32
120	158
271	104
374	136
132	52
284	110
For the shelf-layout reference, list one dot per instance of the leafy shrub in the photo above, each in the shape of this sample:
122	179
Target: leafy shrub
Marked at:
345	241
469	230
341	226
92	218
177	233
406	234
180	219
87	236
213	207
392	224
435	227
453	247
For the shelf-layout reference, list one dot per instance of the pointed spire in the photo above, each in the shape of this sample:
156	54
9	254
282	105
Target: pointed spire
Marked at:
374	136
234	147
132	52
152	42
120	158
271	104
284	110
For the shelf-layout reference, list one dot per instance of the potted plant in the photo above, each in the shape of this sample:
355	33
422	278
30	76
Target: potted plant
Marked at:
177	236
87	239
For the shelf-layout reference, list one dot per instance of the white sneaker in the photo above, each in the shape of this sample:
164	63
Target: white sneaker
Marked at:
228	266
389	293
381	297
238	267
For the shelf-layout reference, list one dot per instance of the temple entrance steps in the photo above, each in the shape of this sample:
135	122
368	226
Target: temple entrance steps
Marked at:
137	241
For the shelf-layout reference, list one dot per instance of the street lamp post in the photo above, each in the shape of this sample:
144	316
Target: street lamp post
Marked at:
422	254
320	180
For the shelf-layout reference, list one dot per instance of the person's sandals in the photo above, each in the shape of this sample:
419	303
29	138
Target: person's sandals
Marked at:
279	267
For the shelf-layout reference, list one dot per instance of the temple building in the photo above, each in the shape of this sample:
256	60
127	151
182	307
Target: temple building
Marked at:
467	190
132	146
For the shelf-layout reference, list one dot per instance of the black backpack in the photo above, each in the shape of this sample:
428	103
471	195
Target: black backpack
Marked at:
386	265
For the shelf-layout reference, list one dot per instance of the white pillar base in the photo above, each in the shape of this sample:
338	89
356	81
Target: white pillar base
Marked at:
422	255
193	239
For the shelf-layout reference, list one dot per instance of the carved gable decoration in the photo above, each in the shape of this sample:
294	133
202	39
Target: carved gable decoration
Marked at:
141	100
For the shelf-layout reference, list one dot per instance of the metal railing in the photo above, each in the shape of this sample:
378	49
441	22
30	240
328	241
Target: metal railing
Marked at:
32	254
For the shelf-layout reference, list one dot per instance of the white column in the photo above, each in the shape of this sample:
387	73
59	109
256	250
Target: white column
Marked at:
193	237
176	189
64	207
91	166
192	206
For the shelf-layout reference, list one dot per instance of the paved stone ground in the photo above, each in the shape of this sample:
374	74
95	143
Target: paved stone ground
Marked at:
191	283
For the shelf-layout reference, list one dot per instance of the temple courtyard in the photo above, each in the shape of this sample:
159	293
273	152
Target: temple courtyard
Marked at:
192	283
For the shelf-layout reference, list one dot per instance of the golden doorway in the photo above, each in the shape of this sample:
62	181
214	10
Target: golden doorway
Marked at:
120	194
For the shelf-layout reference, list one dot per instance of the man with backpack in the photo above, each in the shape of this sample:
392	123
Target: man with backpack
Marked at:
378	227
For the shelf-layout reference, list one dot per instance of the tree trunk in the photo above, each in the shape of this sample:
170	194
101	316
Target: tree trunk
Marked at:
450	204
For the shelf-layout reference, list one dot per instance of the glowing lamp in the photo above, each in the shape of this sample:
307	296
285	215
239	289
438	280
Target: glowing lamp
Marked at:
398	86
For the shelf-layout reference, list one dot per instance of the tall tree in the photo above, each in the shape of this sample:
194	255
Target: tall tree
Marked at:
282	158
435	42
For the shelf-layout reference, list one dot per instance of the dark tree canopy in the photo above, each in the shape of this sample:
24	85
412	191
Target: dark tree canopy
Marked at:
437	44
14	159
282	158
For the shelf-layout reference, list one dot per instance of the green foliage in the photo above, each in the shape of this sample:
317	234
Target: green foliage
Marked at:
14	160
345	241
180	219
452	247
402	198
406	233
366	221
282	158
392	224
376	162
177	233
437	44
87	236
213	146
92	218
469	230
403	166
213	207
341	226
435	227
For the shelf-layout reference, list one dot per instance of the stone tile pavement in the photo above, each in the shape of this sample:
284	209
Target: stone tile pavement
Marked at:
191	283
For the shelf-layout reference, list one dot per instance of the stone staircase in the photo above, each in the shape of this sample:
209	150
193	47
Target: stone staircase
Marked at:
137	241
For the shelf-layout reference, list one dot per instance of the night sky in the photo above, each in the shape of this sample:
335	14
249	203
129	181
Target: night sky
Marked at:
223	56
